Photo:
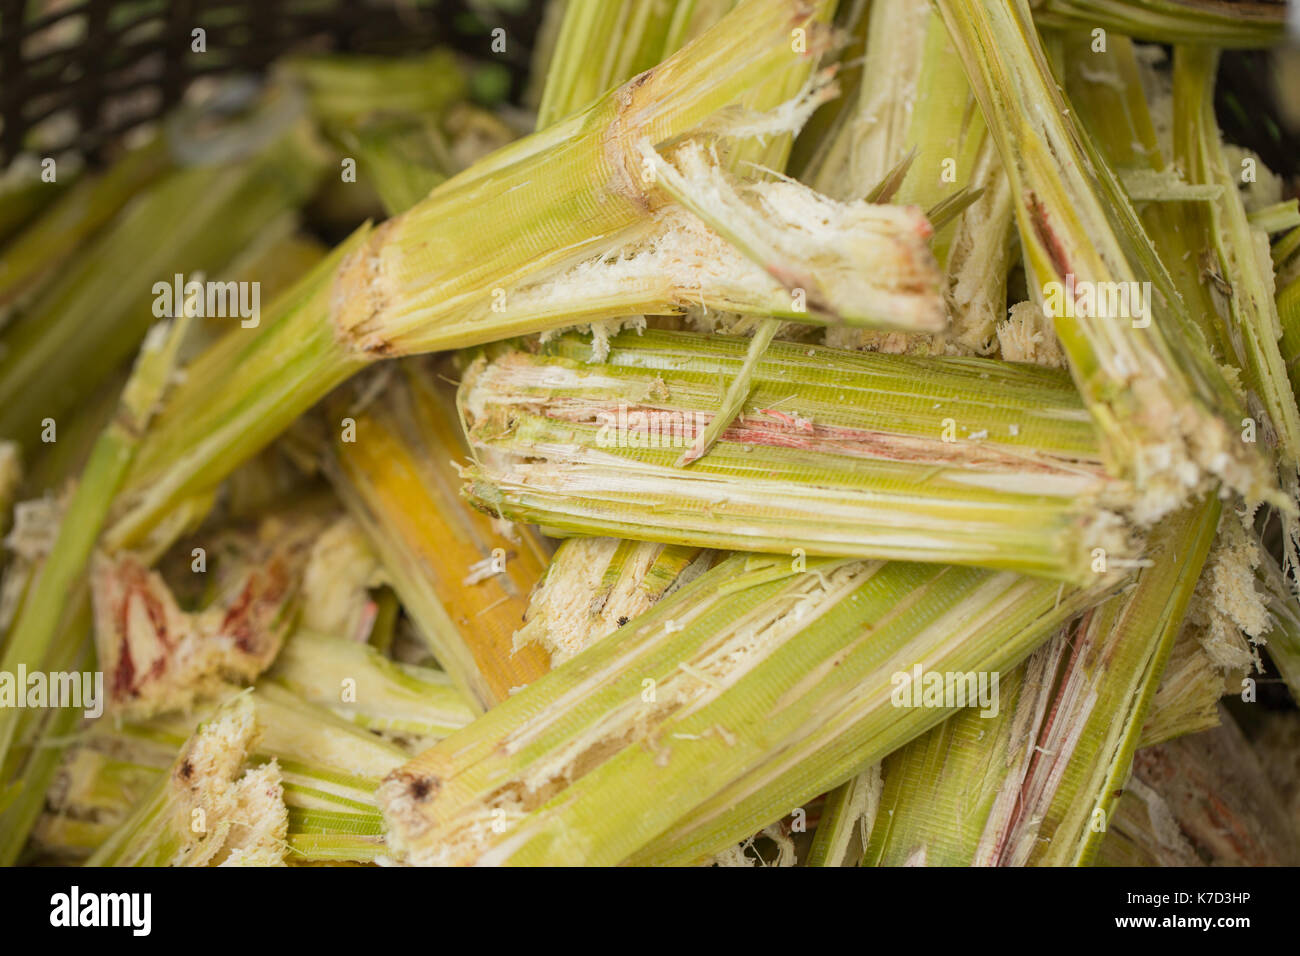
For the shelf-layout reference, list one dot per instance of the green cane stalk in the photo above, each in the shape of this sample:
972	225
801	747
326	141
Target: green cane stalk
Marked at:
1168	417
1028	784
95	314
975	759
593	586
1038	783
1210	22
945	791
326	771
37	253
1241	250
1102	699
916	102
838	453
848	815
403	294
750	690
43	608
361	685
533	238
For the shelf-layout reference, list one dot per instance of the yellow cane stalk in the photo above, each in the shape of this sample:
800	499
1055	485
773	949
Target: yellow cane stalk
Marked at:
464	583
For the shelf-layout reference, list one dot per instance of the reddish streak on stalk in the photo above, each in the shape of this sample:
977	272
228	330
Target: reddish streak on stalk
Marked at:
124	681
1048	236
255	596
1000	847
783	417
789	432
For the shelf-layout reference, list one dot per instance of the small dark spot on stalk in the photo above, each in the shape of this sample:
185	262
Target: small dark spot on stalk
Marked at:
421	788
639	79
187	770
622	620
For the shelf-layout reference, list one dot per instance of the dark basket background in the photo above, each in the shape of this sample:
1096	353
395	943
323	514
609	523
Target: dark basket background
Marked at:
109	65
